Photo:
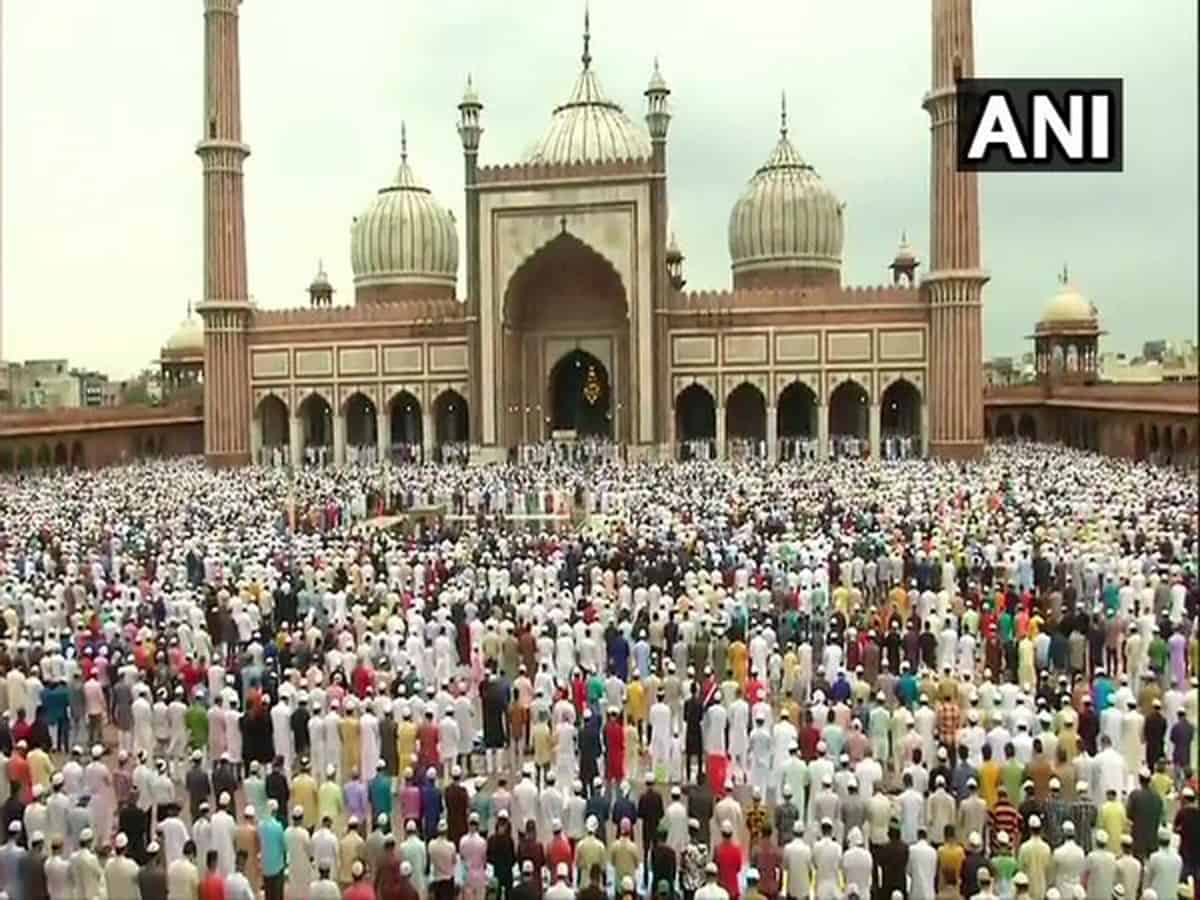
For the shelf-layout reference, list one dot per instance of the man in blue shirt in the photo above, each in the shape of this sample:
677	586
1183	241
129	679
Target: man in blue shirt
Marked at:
274	853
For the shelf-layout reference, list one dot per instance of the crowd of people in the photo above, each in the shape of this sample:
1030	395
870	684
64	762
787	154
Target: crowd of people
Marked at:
904	680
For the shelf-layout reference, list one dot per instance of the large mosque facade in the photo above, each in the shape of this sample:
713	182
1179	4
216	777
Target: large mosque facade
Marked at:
573	321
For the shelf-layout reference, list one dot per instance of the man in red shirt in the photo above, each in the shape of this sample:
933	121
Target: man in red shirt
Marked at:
360	888
212	886
729	860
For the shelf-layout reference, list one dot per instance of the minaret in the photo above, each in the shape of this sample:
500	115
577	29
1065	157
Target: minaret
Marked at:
469	132
955	281
225	307
320	291
658	120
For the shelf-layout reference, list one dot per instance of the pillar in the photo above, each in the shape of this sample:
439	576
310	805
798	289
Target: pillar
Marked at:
955	280
255	439
383	431
720	432
924	426
772	434
296	440
822	431
339	437
428	433
873	429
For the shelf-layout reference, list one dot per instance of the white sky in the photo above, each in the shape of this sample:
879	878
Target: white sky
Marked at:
102	107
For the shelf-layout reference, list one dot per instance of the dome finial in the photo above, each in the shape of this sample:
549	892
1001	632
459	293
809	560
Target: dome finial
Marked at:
189	307
587	35
403	142
783	128
1065	276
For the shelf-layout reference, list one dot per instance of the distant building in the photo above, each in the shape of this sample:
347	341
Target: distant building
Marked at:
39	384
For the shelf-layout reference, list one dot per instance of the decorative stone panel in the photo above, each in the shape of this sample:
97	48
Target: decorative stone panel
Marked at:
357	361
833	379
784	380
403	359
447	357
901	345
759	380
745	349
680	383
314	363
797	347
392	390
272	364
848	346
694	350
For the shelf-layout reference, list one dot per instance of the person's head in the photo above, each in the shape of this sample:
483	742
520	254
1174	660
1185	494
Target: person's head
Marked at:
210	860
189	850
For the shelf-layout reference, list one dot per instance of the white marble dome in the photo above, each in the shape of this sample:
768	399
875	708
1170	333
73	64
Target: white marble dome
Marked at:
188	337
404	237
787	218
589	128
1068	305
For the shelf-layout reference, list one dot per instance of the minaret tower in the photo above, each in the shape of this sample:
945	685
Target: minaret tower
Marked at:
955	281
469	132
658	121
225	307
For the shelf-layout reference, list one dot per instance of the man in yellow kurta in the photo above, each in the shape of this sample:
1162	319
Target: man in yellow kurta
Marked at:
1112	818
406	741
304	795
637	707
331	803
350	731
739	661
1035	859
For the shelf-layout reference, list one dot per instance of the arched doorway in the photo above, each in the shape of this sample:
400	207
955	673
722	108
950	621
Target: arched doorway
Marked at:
77	460
848	420
796	422
1153	444
273	426
1027	428
745	422
580	396
900	421
565	304
362	428
25	458
60	454
316	420
451	426
407	427
1139	443
695	422
8	460
1005	429
43	456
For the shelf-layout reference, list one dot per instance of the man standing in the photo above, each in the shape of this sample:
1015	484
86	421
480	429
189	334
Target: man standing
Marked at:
274	852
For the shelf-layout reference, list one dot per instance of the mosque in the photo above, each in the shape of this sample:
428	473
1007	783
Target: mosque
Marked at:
573	322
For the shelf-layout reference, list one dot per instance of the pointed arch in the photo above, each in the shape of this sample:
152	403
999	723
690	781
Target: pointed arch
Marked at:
407	422
273	418
745	413
796	411
562	270
60	454
362	420
1005	429
451	421
1027	427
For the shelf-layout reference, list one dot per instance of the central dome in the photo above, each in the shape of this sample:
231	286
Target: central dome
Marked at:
589	128
404	244
1068	305
787	227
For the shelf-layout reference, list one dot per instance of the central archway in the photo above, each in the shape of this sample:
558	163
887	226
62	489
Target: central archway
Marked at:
848	419
316	419
273	426
900	420
695	421
581	396
797	422
745	421
565	314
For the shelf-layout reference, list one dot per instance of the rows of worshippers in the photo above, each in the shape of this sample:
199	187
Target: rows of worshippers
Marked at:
747	685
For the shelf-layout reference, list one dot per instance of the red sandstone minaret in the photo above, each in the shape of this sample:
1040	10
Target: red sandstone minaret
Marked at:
955	281
226	305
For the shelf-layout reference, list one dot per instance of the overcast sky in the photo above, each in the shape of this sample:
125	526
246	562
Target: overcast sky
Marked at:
102	108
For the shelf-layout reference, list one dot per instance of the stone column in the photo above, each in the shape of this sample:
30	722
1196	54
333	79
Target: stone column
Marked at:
772	435
339	438
428	433
822	431
383	432
873	430
255	439
720	432
924	426
296	440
